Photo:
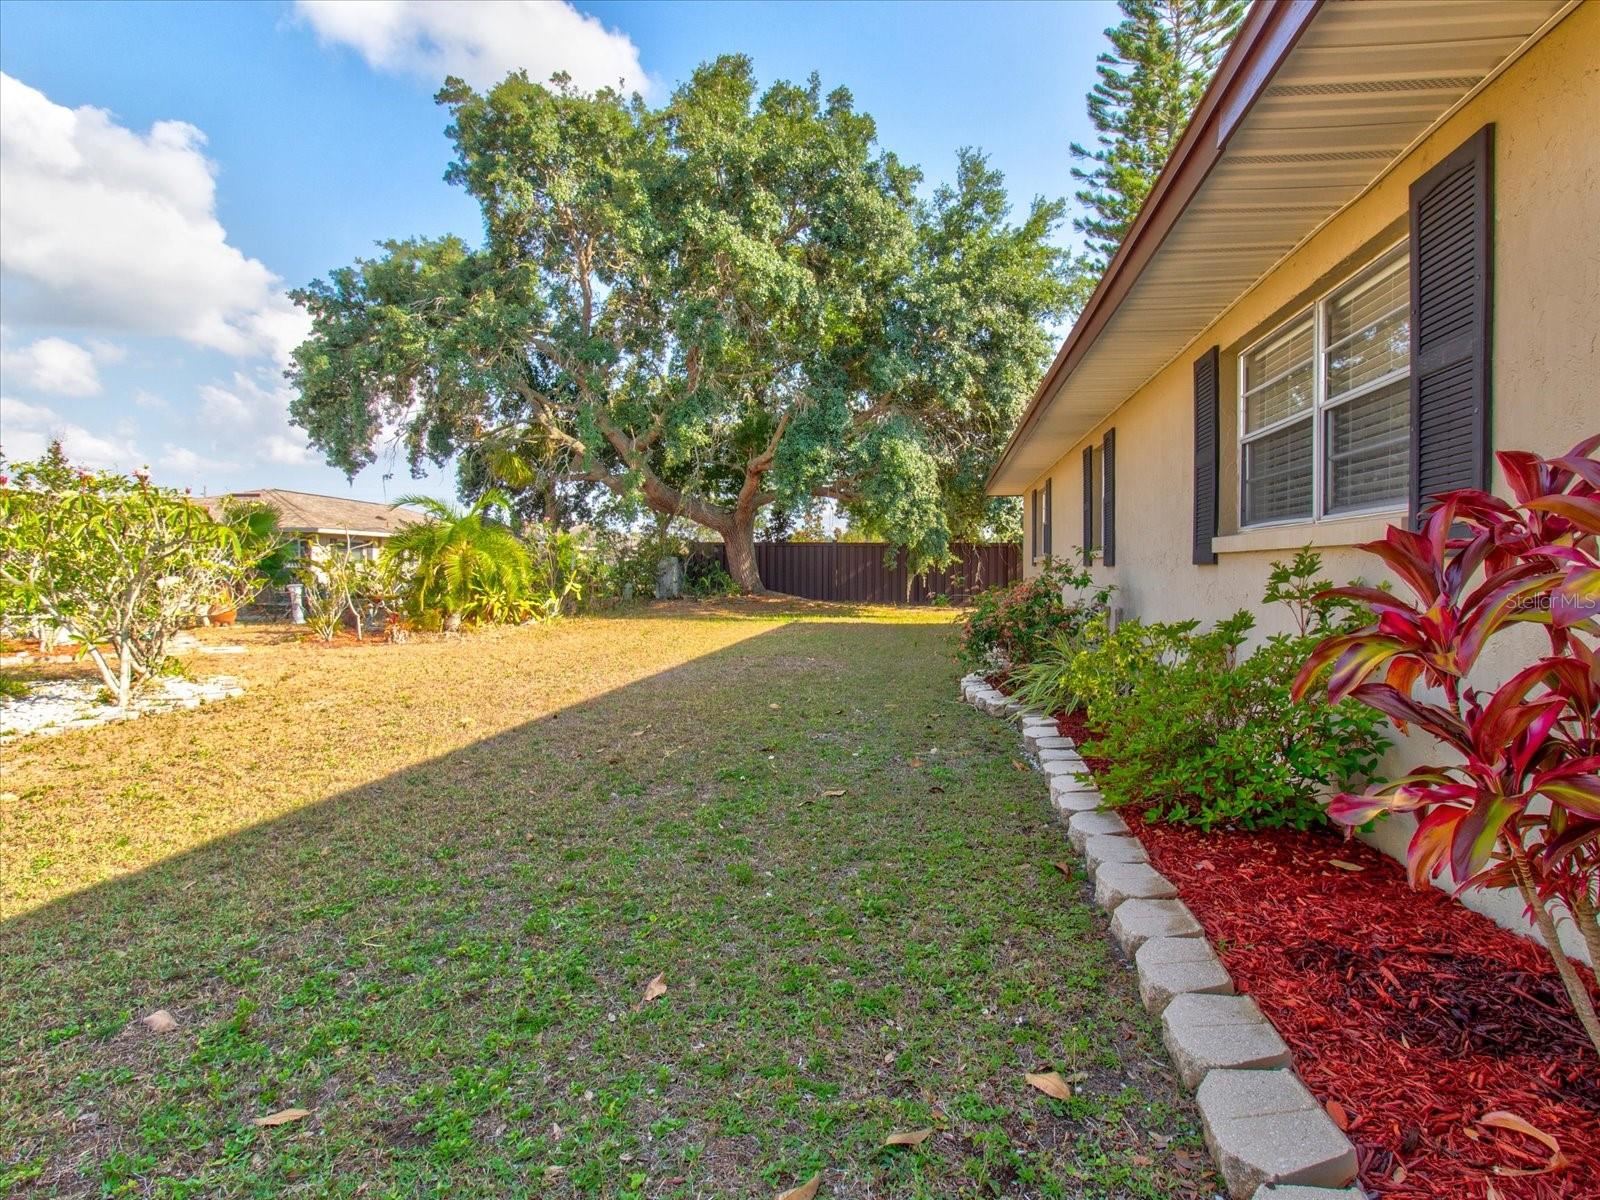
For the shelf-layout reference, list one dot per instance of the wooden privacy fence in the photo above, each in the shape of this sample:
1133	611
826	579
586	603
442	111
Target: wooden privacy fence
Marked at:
860	572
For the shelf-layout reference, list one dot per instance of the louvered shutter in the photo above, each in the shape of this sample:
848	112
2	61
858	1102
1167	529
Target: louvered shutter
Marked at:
1033	523
1108	498
1205	456
1452	223
1049	536
1088	502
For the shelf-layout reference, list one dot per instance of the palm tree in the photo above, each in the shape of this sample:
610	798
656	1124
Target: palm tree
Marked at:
464	565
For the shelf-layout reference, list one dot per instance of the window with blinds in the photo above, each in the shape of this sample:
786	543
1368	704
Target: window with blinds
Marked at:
1324	420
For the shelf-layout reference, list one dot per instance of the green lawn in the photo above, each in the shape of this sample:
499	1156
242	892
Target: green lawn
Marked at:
420	891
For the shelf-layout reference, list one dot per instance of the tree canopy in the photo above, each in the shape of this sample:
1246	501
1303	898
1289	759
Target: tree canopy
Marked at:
1164	54
733	303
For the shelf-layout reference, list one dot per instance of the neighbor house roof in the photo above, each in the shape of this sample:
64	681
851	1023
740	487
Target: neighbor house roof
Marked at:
1313	104
307	512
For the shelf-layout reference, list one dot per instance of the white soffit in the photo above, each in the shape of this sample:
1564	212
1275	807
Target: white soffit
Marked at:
1366	81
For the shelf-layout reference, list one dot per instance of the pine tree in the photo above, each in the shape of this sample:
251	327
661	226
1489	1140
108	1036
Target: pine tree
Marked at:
1165	52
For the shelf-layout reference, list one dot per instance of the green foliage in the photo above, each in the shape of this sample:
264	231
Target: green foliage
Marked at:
12	688
1012	625
341	585
467	566
563	571
117	564
735	302
1164	54
254	524
705	577
1206	734
1092	665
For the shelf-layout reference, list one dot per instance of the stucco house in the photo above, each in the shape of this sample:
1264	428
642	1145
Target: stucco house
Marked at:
1373	259
321	525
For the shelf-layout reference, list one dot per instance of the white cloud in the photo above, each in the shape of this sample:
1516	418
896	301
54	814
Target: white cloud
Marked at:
480	40
148	399
51	365
184	461
107	229
29	429
251	413
289	451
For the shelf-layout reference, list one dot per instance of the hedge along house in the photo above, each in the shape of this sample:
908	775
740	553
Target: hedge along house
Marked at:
1373	258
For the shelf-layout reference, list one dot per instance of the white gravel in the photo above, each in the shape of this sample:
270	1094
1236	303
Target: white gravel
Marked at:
60	705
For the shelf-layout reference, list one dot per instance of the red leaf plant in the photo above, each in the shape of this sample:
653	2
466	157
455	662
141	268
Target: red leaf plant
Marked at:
1521	807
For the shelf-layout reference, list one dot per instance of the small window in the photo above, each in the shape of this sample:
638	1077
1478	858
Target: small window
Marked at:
1325	404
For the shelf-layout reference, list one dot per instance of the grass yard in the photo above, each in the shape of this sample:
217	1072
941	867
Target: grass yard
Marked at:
420	891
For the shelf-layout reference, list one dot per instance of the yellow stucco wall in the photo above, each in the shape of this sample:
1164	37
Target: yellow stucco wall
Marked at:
1546	351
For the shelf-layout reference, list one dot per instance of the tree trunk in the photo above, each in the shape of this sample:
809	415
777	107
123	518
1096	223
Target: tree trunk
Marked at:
1577	990
740	540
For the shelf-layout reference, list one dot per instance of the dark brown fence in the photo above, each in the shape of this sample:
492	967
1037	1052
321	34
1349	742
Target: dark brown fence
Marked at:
864	573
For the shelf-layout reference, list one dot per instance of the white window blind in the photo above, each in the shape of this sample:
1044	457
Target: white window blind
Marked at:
1324	414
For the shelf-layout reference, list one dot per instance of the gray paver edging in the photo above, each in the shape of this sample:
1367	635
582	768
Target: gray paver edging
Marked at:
1269	1136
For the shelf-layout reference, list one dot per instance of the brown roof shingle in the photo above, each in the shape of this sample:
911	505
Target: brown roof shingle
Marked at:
305	512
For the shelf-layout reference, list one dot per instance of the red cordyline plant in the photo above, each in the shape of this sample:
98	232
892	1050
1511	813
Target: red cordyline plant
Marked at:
1522	806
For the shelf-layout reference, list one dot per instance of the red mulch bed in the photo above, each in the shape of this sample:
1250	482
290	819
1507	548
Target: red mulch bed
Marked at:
1409	1016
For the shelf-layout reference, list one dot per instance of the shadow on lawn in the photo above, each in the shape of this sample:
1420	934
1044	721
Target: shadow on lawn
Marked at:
444	964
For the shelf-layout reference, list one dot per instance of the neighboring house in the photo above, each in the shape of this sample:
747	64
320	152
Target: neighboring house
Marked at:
1373	259
320	525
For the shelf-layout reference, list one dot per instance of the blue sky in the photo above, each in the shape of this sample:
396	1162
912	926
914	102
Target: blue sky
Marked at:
166	171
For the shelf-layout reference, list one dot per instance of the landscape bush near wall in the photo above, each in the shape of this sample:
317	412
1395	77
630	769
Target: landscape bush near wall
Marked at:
1199	730
1517	804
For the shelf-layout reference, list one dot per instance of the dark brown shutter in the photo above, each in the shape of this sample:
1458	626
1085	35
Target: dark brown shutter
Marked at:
1088	503
1205	456
1452	258
1033	523
1049	538
1108	498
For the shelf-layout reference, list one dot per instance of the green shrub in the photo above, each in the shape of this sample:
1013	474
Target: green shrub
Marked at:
12	688
1011	626
1205	734
706	577
1088	666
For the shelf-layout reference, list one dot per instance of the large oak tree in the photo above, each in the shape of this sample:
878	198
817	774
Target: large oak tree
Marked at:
726	303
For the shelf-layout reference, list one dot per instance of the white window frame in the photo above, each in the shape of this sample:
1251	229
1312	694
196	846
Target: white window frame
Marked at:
1321	405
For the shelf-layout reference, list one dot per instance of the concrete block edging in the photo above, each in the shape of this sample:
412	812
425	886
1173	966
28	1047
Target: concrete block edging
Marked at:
1267	1134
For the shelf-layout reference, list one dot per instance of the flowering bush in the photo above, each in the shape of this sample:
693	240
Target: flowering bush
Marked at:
115	563
1010	625
1522	806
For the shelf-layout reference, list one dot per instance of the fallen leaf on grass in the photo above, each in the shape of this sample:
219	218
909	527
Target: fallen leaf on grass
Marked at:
1345	866
935	790
282	1117
1018	766
1064	868
1050	1083
160	1021
1514	1123
835	793
805	1191
653	990
914	1137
